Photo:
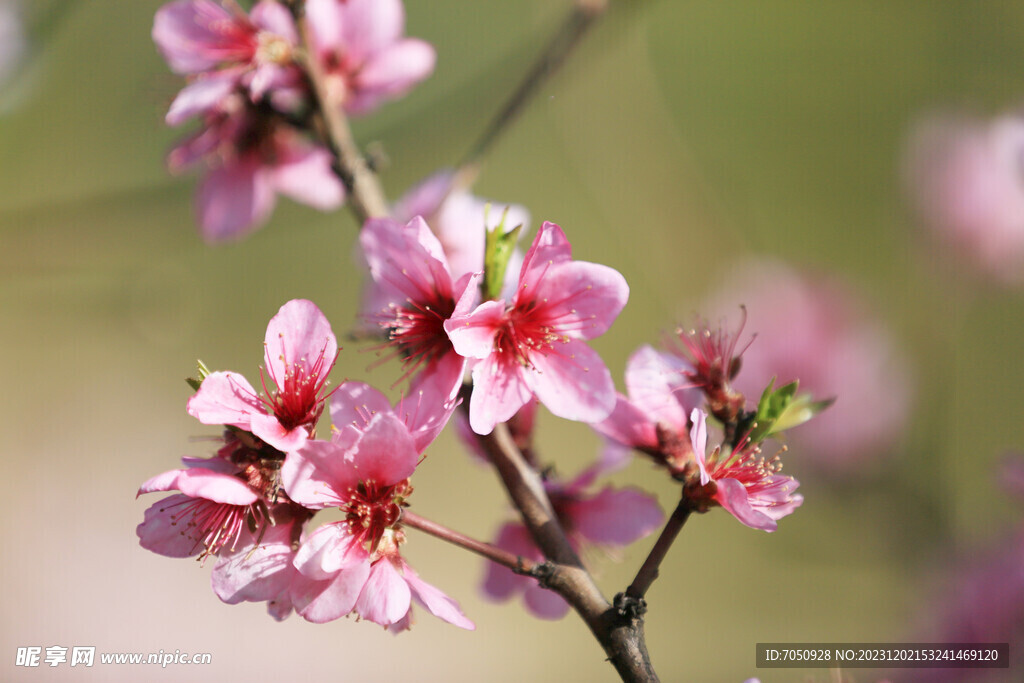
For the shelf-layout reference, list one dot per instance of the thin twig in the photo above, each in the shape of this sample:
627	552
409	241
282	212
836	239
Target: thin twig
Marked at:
366	196
582	16
649	569
517	563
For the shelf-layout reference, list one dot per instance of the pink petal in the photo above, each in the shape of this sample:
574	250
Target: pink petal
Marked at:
328	550
501	583
545	603
215	486
499	391
161	534
202	95
183	33
656	385
431	400
274	433
616	516
580	299
407	257
386	597
392	72
370	25
732	495
436	602
386	452
628	425
354	403
573	382
225	398
255	574
699	441
425	198
325	21
234	199
306	176
550	246
275	18
323	601
321	472
299	335
472	334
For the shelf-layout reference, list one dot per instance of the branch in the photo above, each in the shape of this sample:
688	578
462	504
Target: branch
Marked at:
582	16
619	633
649	570
366	198
517	563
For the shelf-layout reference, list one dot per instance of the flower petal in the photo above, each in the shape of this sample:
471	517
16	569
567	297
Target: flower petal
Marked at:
225	398
233	200
299	335
615	516
323	601
499	391
305	175
580	299
572	381
436	602
732	495
328	550
259	573
386	597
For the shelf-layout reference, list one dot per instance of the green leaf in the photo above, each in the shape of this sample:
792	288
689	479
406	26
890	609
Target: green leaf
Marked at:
781	409
204	372
498	249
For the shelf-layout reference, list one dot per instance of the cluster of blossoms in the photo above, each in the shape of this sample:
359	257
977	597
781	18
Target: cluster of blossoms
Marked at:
250	90
250	504
474	321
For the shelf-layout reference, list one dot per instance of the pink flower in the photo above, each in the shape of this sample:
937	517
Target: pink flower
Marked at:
817	330
460	221
410	297
300	351
230	507
610	519
654	418
202	38
355	564
742	482
360	44
964	177
251	157
534	345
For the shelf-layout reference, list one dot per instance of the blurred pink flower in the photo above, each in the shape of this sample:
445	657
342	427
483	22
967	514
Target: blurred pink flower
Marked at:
742	481
365	57
534	345
355	564
610	519
204	39
300	349
966	181
654	418
460	221
815	330
250	157
410	295
12	41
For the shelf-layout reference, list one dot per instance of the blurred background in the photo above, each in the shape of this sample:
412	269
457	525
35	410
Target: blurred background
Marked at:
716	154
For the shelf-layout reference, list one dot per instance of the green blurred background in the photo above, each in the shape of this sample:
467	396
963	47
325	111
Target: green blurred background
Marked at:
680	137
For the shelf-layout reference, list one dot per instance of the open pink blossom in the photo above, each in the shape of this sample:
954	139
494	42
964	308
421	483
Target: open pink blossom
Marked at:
460	221
607	520
250	157
741	481
819	330
654	418
229	507
205	39
534	345
411	295
364	55
355	564
300	349
964	178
